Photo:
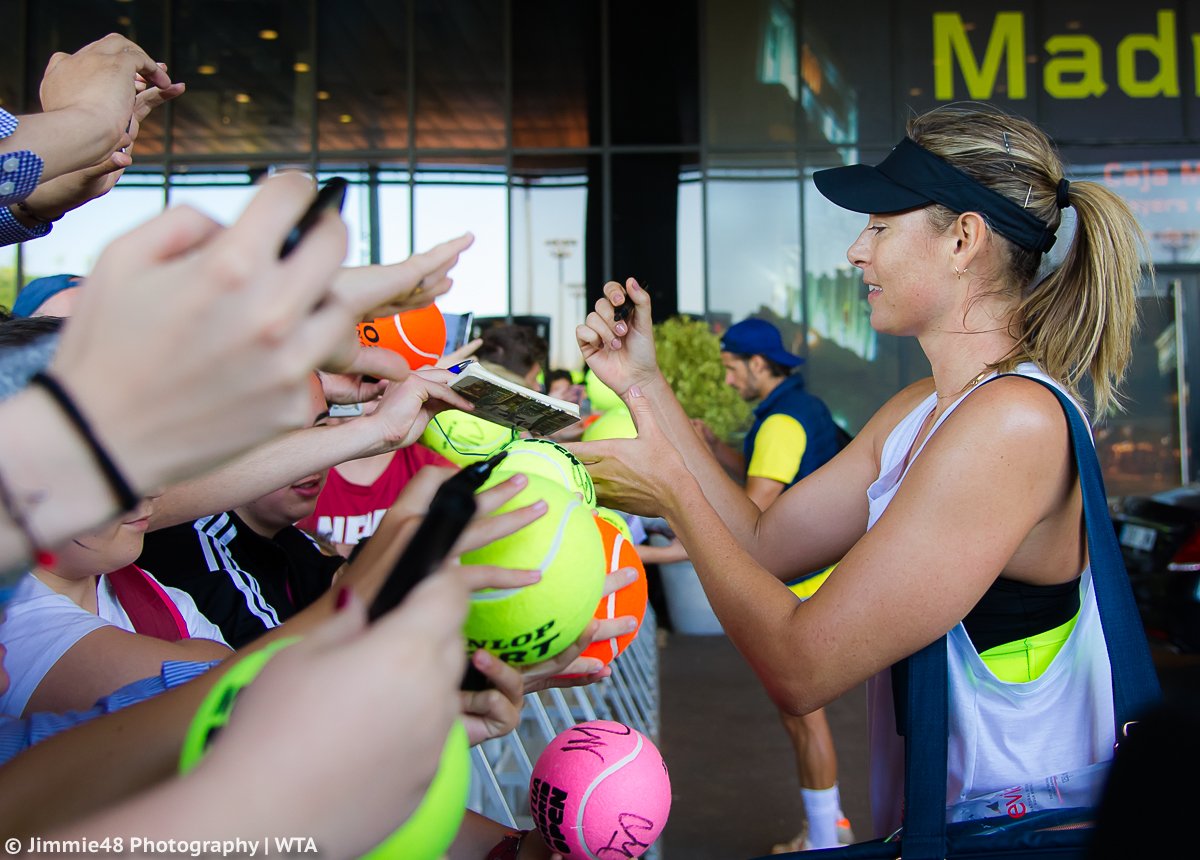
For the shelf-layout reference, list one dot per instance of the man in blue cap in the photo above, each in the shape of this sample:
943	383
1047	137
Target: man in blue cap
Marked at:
793	434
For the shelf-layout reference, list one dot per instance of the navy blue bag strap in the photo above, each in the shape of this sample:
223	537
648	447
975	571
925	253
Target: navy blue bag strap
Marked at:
925	751
1135	683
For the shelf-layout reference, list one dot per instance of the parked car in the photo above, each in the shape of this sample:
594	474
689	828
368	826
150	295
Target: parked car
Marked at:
1160	541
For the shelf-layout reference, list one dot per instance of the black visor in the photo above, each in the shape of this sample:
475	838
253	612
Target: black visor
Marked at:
912	176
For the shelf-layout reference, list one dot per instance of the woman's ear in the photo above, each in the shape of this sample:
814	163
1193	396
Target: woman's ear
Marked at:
969	232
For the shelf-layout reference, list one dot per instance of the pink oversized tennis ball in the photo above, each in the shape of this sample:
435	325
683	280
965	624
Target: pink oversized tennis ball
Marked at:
600	789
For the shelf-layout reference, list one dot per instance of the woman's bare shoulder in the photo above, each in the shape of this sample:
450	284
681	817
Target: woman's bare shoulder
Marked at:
1015	404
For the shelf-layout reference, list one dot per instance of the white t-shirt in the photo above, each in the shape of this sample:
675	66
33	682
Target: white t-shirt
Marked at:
1000	733
40	626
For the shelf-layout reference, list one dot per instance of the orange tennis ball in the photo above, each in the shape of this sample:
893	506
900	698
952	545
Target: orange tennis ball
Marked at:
630	600
419	336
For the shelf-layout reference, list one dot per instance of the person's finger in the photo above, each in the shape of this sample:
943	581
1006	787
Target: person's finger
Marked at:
177	231
380	290
589	453
441	257
603	327
411	301
612	628
506	680
433	286
130	54
589	340
440	375
547	673
613	292
380	363
153	97
107	165
571	677
303	280
488	529
143	65
369	394
271	214
493	497
477	577
461	354
642	320
448	396
640	410
618	579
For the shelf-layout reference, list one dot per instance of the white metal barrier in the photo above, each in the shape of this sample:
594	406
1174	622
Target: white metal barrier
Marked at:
501	767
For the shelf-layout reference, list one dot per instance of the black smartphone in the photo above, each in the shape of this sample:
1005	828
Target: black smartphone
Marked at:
331	196
452	507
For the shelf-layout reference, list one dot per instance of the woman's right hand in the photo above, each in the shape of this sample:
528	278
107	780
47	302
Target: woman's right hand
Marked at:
621	354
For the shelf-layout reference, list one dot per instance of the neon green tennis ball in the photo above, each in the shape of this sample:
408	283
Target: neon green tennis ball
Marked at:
432	827
215	710
547	459
463	438
532	624
613	424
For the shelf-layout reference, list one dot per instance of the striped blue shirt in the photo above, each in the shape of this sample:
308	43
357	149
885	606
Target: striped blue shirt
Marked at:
19	175
17	735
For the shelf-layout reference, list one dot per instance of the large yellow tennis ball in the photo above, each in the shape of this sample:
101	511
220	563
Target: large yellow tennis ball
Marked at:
613	424
428	832
532	624
463	438
547	459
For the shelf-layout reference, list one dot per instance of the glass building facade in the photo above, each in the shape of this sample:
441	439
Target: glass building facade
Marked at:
671	140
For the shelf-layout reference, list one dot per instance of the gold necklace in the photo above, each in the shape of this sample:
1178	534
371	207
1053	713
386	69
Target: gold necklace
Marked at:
978	379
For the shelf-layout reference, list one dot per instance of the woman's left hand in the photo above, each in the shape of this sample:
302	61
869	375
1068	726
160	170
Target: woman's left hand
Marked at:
632	475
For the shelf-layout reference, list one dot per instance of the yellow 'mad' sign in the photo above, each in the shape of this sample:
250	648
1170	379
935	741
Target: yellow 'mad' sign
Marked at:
1073	69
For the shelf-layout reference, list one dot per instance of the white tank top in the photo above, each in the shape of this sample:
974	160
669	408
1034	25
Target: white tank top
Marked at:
1000	733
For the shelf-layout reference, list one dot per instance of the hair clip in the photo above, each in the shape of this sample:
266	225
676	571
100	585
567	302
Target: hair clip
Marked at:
1027	196
1008	148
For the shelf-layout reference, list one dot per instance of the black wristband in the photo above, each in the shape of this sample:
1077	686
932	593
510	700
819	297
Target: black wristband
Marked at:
126	497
